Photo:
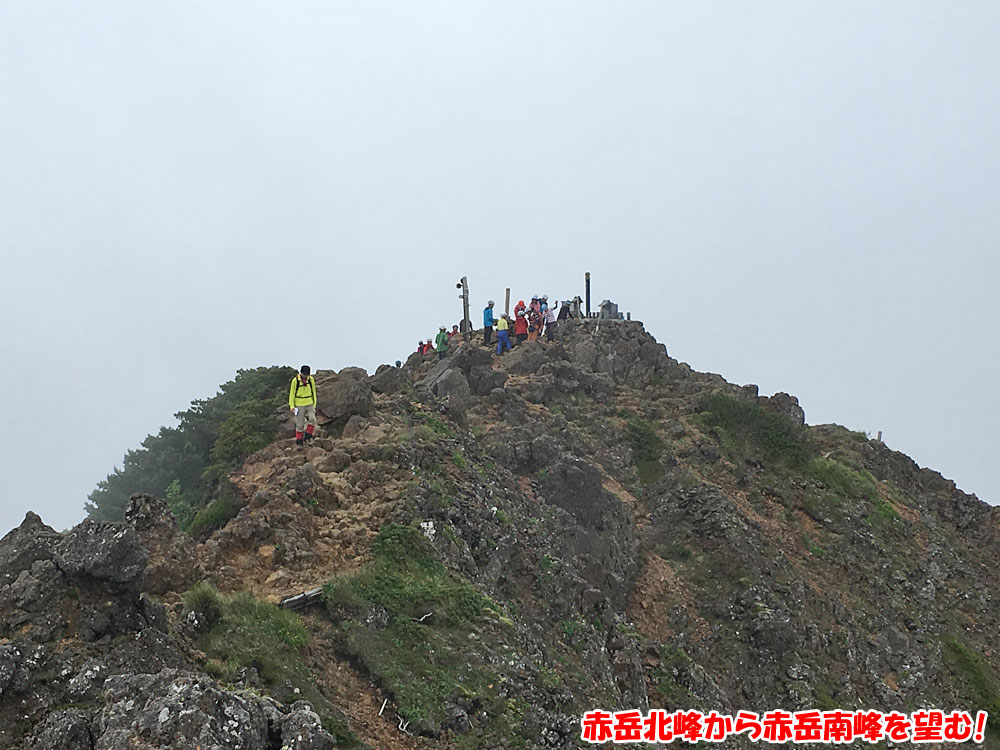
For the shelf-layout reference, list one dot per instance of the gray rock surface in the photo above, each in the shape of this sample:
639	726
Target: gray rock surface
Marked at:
108	552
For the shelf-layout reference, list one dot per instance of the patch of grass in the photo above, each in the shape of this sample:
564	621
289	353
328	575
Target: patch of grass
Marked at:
502	516
247	633
673	551
647	450
435	424
751	432
213	516
459	460
842	480
407	619
424	434
976	673
883	516
670	692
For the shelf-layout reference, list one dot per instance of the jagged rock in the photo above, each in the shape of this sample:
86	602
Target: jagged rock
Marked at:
354	427
342	395
173	559
783	403
68	729
674	429
301	730
525	360
483	380
334	460
28	543
109	552
173	709
389	379
447	382
353	373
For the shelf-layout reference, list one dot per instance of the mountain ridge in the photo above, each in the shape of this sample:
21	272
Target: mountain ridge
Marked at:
506	542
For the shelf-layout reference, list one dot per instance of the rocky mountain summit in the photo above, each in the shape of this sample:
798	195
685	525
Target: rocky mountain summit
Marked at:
491	546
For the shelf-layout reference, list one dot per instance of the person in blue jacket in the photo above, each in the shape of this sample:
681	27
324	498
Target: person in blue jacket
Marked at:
488	322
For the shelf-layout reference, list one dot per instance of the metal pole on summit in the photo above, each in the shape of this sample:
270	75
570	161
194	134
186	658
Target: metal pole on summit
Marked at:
586	277
506	303
463	284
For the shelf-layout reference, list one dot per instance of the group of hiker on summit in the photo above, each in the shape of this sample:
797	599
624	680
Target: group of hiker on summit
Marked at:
530	321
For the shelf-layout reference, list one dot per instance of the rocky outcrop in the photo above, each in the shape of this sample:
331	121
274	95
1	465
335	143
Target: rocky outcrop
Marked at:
102	551
173	559
342	395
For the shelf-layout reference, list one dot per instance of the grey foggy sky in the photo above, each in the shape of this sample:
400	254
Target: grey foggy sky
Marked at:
798	195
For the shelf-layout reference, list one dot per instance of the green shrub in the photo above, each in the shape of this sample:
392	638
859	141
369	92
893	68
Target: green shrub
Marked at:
213	516
978	676
205	599
749	431
459	460
647	450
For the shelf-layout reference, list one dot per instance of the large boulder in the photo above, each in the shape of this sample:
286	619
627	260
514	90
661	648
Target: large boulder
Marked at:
173	556
109	552
445	381
343	395
389	379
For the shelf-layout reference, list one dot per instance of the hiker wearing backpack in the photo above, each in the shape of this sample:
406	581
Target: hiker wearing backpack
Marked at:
302	402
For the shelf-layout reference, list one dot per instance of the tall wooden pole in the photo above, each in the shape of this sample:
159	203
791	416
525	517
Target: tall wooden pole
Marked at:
587	279
464	296
506	303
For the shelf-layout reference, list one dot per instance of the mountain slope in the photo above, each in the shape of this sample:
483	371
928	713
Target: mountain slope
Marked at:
505	543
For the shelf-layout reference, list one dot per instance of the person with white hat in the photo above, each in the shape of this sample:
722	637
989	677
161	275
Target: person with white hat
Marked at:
488	322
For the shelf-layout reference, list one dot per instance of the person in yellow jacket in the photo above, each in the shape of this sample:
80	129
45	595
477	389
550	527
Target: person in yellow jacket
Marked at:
503	334
302	402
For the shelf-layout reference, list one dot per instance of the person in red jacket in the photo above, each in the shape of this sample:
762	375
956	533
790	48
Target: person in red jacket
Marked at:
521	325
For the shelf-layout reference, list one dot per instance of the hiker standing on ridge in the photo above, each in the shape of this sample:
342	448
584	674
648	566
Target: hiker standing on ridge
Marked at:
503	335
488	322
302	402
442	343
